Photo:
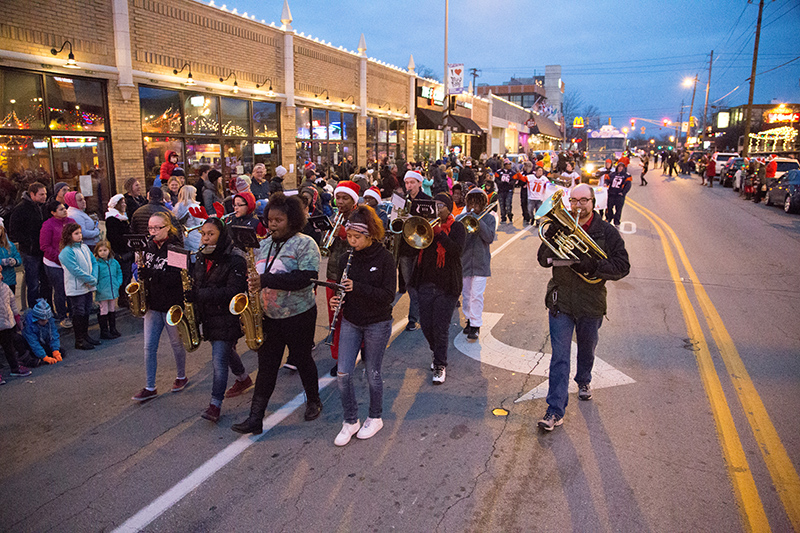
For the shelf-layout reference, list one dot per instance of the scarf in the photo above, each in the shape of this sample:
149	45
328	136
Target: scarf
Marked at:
440	251
116	214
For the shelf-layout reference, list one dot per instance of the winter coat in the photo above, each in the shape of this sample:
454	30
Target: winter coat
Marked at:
80	269
141	218
9	271
264	189
109	279
505	180
8	308
162	282
439	181
374	276
40	336
426	186
619	183
89	227
117	230
568	293
447	277
467	175
218	277
181	212
25	224
166	168
210	196
132	203
50	237
477	257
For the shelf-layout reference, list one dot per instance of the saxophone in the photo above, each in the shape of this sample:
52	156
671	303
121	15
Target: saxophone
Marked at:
184	318
248	306
137	294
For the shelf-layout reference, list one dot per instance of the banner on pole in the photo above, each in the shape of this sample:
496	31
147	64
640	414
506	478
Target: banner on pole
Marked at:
455	78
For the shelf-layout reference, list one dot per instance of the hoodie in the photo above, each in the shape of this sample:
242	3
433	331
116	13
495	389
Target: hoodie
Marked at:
166	168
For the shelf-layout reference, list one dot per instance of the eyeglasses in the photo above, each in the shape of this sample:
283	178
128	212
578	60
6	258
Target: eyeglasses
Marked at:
239	205
155	228
440	205
582	201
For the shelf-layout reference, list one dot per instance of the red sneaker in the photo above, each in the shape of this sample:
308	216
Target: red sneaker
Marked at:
179	384
144	395
212	413
239	387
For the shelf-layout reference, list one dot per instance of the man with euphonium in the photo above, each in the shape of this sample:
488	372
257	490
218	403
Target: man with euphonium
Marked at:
576	299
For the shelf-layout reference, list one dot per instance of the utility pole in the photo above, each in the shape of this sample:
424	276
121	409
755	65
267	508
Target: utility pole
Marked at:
705	107
748	113
446	115
679	128
691	109
474	73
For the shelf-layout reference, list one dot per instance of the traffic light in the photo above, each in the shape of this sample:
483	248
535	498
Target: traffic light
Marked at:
633	123
665	122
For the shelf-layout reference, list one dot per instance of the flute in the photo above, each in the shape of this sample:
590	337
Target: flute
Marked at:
340	293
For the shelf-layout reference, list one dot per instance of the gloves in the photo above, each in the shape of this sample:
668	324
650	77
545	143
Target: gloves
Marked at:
587	266
57	356
49	360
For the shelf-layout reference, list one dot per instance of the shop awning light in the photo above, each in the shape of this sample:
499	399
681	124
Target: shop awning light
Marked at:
235	82
270	92
71	63
189	79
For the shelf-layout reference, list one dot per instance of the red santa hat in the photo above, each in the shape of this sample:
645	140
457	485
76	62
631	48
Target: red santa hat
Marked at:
348	187
415	175
373	192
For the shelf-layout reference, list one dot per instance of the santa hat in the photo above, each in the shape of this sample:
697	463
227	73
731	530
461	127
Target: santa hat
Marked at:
413	174
348	187
373	192
249	199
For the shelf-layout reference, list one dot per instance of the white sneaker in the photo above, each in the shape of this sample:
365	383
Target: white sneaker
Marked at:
347	432
439	375
370	427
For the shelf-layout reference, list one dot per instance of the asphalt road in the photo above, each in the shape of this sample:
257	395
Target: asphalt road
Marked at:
700	435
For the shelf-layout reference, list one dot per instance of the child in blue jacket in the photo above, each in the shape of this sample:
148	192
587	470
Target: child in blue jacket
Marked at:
41	333
80	281
9	259
109	280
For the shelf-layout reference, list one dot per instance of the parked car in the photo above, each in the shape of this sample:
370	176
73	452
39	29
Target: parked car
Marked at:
720	158
729	171
785	164
786	192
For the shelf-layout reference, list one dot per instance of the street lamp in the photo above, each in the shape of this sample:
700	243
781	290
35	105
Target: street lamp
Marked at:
686	83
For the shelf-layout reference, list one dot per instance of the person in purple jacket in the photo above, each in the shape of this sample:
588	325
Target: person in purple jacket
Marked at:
49	239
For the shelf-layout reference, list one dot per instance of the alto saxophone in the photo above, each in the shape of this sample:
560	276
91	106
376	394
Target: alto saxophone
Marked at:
184	318
137	294
248	306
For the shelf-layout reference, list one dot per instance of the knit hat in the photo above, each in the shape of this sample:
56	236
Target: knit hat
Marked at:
214	175
468	163
506	161
249	198
373	192
41	311
609	161
414	174
60	185
69	198
155	193
237	185
280	171
348	187
446	199
112	203
178	171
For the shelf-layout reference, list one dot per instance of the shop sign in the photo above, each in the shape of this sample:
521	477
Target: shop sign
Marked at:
782	116
530	123
455	78
577	122
464	104
434	95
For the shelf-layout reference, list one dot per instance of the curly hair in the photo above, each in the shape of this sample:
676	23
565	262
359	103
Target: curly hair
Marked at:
364	214
66	234
292	207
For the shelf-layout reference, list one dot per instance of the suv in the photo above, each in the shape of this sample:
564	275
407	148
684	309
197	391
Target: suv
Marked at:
720	158
785	164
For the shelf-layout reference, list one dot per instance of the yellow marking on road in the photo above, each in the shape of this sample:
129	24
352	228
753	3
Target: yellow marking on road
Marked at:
744	486
784	475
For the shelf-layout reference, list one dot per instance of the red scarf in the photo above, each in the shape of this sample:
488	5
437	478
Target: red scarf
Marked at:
440	251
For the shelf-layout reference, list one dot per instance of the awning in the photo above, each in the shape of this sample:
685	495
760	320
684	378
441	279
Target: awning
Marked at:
429	119
467	125
546	127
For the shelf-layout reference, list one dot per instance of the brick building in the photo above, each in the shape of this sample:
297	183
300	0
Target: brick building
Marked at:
216	86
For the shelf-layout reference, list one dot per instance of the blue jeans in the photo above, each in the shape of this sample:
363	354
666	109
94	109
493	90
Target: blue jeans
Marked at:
35	279
406	265
374	338
56	277
154	322
561	329
506	199
533	206
436	311
223	355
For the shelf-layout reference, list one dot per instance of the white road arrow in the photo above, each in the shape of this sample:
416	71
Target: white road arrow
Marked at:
495	353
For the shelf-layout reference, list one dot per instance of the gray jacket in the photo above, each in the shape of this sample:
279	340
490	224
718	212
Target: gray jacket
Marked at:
476	258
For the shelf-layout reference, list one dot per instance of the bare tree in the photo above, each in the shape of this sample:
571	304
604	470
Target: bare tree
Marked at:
427	72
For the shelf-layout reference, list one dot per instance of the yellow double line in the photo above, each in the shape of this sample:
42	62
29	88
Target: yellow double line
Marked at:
784	476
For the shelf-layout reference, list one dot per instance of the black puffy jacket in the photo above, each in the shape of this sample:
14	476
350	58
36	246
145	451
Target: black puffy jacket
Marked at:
218	277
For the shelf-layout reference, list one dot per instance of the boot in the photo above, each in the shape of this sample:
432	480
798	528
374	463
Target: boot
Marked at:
103	321
253	423
79	325
112	325
86	336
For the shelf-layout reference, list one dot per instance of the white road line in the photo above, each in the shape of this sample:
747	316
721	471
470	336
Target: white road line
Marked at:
512	239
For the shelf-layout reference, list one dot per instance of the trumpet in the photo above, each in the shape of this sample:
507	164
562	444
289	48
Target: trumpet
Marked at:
472	223
330	236
418	232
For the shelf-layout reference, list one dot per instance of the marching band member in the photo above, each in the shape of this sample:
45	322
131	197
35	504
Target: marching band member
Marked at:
476	262
220	273
408	255
288	262
366	324
438	281
163	289
244	206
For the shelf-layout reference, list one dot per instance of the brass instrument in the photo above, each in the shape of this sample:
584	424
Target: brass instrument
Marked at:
187	231
136	291
330	236
472	222
570	241
418	232
248	306
340	293
184	318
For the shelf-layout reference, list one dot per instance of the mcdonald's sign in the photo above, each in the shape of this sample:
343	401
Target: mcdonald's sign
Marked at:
577	122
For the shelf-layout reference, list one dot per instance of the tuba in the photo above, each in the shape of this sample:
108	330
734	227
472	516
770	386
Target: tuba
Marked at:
137	294
248	306
184	318
569	241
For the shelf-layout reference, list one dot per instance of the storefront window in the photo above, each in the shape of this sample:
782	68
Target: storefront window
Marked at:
266	152
155	149
82	163
302	118
238	157
235	117
393	131
334	126
201	115
201	152
23	160
319	124
372	129
328	128
161	110
75	104
21	107
265	119
383	127
303	155
349	126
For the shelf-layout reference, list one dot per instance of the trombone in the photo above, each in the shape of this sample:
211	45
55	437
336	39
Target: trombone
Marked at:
472	223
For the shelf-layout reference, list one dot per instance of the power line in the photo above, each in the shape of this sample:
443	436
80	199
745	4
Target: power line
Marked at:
775	68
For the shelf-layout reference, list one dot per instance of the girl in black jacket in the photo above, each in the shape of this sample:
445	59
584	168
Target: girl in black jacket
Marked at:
220	273
366	323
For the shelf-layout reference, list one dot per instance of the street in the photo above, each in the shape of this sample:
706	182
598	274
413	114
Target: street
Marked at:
693	425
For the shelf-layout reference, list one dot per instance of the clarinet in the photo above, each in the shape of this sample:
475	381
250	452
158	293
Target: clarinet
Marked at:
340	293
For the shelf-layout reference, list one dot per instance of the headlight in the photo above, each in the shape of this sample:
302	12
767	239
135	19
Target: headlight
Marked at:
588	168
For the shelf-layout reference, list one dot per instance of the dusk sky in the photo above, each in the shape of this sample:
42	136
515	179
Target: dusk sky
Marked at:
627	58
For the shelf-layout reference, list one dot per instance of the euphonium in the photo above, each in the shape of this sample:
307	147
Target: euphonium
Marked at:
248	306
137	294
569	241
184	318
472	222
